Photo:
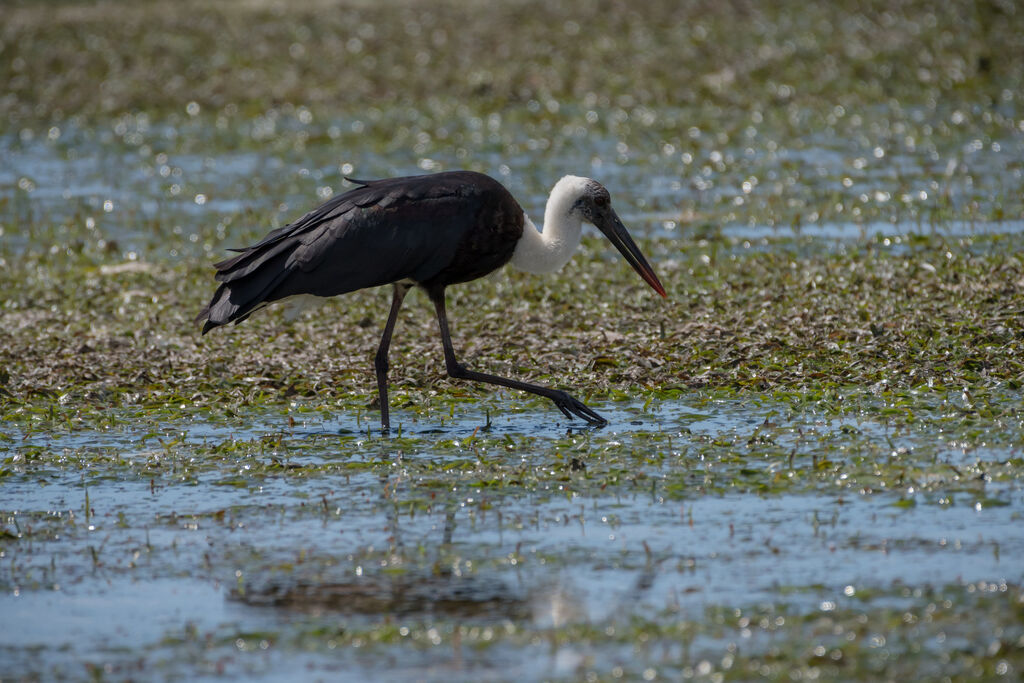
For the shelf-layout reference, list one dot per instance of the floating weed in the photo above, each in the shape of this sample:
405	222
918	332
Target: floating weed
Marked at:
852	633
813	464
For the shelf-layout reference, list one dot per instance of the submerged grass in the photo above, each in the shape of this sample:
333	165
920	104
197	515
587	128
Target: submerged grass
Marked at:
927	324
882	371
848	637
814	463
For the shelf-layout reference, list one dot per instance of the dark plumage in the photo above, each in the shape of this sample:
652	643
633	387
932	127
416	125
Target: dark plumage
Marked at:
428	231
414	228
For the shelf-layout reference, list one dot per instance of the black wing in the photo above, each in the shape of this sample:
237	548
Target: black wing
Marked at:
385	231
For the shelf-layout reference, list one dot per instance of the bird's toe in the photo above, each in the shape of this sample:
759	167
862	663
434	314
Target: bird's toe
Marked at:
572	407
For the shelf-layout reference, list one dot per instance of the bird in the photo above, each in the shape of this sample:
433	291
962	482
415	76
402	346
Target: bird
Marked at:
427	231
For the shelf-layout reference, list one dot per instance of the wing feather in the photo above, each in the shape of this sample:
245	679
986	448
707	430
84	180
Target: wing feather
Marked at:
383	231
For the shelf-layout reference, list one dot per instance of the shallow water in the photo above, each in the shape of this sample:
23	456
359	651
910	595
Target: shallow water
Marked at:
159	191
506	544
275	553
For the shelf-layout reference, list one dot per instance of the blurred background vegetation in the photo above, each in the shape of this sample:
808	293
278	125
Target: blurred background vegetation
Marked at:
868	370
708	113
97	59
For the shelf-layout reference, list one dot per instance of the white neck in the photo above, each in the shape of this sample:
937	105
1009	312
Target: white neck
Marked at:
548	250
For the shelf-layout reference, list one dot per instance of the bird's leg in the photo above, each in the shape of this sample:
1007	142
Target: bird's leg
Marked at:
380	363
569	406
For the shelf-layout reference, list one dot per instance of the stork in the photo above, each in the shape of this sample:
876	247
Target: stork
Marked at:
427	231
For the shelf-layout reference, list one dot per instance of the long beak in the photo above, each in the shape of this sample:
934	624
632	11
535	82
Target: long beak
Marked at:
615	231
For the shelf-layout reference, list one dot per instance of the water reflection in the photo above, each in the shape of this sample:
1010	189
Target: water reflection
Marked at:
414	594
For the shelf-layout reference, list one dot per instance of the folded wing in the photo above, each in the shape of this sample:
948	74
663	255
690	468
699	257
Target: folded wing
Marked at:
384	231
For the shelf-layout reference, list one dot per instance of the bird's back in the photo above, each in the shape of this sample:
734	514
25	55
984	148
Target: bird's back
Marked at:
434	230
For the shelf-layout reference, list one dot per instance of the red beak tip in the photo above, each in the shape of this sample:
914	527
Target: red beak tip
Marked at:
658	287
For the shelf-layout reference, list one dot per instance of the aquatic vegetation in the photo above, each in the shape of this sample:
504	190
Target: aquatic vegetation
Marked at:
813	467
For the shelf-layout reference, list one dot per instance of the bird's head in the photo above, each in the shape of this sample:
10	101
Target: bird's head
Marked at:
593	204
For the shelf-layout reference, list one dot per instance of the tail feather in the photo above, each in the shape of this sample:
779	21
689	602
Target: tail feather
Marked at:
246	263
243	290
380	232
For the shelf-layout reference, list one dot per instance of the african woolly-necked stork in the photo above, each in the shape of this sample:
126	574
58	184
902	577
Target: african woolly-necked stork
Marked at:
429	231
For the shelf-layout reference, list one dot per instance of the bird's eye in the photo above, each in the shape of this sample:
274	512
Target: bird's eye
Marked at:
601	200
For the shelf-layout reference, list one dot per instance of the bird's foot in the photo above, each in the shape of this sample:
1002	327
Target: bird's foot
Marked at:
572	407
